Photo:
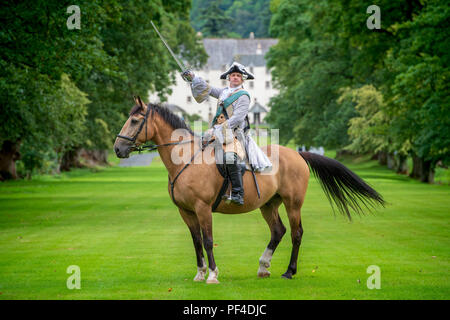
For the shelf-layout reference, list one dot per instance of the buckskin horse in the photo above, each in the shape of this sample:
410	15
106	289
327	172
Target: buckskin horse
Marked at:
195	187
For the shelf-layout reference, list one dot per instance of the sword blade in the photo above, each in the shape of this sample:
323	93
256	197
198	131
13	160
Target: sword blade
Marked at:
182	67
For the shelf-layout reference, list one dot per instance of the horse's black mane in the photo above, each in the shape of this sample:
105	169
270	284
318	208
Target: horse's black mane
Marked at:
171	119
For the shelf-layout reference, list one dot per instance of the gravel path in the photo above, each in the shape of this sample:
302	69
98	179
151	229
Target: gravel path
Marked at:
138	160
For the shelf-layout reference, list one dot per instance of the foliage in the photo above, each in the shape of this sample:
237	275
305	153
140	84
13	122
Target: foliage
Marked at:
233	19
142	58
51	73
367	131
308	69
327	60
214	22
419	97
47	116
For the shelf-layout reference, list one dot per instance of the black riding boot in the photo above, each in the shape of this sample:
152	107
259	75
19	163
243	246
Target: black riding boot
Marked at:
234	170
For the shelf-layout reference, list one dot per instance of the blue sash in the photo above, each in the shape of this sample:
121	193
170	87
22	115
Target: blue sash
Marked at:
227	102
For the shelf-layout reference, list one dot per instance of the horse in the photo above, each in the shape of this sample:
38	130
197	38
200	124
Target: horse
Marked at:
198	183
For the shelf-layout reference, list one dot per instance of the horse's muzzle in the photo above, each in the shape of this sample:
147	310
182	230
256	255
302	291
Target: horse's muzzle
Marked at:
122	151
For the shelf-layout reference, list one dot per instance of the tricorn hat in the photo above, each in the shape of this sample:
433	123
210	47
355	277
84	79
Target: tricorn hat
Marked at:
237	67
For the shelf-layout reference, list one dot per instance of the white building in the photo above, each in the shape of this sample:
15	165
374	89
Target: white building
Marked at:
222	52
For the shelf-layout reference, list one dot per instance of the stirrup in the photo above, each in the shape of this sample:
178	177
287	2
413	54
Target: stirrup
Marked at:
238	199
226	198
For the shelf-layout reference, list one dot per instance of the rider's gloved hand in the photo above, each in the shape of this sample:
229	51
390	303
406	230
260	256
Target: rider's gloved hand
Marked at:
207	137
188	75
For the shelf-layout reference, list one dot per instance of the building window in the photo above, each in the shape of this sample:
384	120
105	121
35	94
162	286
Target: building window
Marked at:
189	99
224	83
251	69
251	84
267	84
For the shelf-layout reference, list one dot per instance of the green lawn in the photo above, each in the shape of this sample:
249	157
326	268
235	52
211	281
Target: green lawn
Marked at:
120	227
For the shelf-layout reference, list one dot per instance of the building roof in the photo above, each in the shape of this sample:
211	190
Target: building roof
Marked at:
257	108
250	60
220	51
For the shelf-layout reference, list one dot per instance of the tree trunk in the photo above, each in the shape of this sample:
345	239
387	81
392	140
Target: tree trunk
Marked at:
422	170
95	157
70	159
382	158
417	164
9	154
342	154
427	174
374	156
402	164
80	158
390	161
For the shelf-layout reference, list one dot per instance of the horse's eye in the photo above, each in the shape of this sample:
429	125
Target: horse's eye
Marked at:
134	121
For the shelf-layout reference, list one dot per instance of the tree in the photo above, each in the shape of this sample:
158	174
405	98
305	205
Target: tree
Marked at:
234	18
418	98
215	22
49	69
309	64
250	16
326	46
369	130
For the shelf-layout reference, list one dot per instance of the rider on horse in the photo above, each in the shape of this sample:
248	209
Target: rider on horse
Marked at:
233	104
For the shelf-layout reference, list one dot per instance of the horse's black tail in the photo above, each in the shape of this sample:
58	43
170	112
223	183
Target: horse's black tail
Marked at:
342	185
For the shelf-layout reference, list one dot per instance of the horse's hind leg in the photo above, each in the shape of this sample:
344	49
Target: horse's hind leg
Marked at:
277	230
293	210
191	220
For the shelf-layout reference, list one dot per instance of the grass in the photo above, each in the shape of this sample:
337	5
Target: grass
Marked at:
121	228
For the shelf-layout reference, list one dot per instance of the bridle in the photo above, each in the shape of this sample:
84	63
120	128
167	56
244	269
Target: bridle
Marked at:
133	139
149	147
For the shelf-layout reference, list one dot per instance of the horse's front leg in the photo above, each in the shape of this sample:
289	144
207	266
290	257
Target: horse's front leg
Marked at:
191	220
204	215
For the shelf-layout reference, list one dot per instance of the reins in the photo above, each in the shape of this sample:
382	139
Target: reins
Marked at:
152	147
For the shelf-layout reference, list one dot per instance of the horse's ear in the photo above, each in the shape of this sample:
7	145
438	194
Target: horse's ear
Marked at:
140	102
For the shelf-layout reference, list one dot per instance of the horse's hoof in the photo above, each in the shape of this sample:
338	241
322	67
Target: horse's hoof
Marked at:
201	273
264	274
212	281
199	278
212	278
287	275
